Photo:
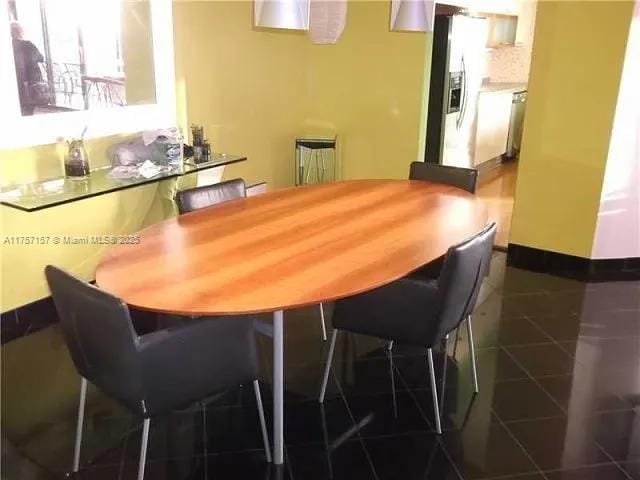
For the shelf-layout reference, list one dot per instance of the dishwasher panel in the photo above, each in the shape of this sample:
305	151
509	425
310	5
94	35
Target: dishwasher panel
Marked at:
514	140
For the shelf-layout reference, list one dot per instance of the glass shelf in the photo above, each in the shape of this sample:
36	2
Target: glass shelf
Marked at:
52	192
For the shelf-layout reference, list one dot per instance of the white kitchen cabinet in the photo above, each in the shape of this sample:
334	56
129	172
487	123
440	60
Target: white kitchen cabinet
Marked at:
455	3
502	30
526	23
492	129
505	7
511	22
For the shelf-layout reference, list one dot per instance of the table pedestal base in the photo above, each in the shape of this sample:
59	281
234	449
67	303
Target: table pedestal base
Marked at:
278	388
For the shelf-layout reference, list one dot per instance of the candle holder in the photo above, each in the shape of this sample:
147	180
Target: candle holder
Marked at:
76	160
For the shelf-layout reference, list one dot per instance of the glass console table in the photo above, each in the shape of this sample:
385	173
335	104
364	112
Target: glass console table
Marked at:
49	193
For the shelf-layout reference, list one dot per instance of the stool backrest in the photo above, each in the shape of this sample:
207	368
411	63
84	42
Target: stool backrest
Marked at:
201	197
465	178
99	334
465	266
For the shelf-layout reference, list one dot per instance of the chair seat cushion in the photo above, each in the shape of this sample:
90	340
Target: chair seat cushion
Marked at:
204	356
403	311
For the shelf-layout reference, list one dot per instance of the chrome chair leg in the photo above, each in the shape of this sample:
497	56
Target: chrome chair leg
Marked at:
393	383
472	354
327	367
327	446
263	423
80	423
324	327
306	181
143	448
390	345
445	348
204	437
322	162
317	167
434	391
455	345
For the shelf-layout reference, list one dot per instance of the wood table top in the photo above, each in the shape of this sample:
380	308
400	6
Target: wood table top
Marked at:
289	248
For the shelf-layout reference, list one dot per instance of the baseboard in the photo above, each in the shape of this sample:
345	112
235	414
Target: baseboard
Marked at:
489	170
40	314
27	319
579	268
35	316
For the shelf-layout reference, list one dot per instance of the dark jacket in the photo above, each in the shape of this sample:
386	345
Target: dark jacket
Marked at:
27	57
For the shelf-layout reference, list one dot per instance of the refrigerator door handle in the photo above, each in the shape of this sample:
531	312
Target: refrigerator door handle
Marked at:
465	92
462	85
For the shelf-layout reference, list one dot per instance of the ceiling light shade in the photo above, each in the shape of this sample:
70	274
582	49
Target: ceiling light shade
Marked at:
412	15
289	14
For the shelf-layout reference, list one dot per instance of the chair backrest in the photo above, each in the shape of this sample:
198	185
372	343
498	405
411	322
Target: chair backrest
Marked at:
200	197
465	178
98	332
465	266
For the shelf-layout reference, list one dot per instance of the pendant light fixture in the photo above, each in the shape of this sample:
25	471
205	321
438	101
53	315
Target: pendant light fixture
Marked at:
288	14
327	21
412	15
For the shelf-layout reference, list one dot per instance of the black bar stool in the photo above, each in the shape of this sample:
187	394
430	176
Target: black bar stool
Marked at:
317	161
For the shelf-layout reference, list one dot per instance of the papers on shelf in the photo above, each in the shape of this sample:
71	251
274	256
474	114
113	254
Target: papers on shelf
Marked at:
123	173
148	169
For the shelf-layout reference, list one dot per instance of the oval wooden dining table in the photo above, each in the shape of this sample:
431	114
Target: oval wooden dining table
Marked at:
289	248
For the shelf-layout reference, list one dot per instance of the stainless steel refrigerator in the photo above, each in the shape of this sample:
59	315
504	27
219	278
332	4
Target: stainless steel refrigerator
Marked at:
457	69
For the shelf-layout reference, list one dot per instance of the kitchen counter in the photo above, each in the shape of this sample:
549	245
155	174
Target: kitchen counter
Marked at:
494	87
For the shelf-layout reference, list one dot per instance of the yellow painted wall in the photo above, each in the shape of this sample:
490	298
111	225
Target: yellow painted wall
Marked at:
247	86
242	85
368	88
577	60
21	266
254	90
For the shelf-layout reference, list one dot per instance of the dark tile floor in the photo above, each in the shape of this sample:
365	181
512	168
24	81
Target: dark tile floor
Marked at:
559	371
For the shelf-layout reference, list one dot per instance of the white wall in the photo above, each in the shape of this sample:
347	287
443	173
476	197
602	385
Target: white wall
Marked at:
618	227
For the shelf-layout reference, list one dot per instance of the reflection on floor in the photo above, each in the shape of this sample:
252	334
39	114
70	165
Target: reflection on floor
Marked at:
559	399
498	193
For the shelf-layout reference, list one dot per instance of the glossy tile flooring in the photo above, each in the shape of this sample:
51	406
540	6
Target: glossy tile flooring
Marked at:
559	369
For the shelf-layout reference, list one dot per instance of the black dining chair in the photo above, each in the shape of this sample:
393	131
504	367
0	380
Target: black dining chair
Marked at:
192	199
196	198
421	311
154	373
464	178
